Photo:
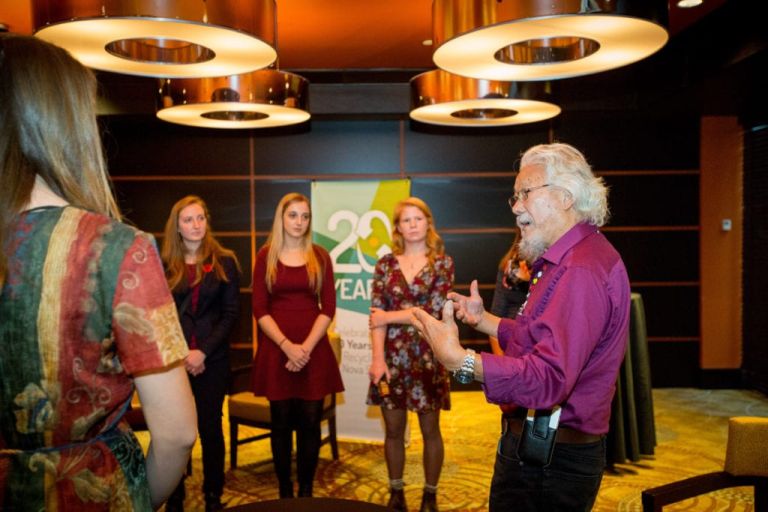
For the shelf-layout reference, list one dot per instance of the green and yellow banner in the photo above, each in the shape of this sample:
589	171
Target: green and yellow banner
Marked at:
352	220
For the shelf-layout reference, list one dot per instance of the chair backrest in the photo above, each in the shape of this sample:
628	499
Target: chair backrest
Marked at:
334	338
747	453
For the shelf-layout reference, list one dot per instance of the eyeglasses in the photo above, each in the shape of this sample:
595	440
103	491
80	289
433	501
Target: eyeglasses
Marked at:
522	195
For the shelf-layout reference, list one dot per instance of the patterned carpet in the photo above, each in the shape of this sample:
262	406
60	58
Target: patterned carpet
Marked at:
691	427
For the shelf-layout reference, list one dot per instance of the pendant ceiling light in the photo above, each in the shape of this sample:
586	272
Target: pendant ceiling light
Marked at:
260	99
180	38
538	39
442	98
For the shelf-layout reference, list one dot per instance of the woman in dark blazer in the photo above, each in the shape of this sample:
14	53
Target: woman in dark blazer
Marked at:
205	280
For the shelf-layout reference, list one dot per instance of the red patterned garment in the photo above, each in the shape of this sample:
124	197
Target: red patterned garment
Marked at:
85	305
418	382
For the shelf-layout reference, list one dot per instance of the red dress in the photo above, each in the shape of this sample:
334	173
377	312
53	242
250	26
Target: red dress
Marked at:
294	306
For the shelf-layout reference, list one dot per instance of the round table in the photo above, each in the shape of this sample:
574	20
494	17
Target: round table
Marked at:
309	505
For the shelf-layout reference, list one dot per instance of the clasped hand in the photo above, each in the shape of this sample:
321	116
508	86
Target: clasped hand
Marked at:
195	362
298	356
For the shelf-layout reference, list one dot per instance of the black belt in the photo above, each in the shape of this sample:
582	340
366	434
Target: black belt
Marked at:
565	435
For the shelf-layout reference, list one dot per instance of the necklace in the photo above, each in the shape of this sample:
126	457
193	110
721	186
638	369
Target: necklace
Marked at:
535	279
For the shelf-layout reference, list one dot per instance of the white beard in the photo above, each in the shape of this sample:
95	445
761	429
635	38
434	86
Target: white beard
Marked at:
531	250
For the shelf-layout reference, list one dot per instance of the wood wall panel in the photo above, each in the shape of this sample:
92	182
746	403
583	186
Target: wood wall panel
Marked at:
658	255
641	199
755	276
145	146
467	202
721	190
671	312
267	195
476	256
674	364
331	147
465	176
632	140
443	150
147	203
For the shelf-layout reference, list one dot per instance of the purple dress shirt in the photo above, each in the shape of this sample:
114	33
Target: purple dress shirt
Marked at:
567	344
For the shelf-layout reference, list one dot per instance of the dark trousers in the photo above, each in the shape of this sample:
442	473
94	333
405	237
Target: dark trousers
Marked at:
569	483
304	417
209	389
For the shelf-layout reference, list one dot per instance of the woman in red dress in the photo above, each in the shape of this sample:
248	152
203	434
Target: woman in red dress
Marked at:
418	274
294	301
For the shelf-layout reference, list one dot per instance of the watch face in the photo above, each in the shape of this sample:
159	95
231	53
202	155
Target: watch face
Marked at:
463	377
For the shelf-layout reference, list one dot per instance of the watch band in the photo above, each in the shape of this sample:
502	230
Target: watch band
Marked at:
466	373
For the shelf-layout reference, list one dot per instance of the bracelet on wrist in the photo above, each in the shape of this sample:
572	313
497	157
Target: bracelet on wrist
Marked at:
281	342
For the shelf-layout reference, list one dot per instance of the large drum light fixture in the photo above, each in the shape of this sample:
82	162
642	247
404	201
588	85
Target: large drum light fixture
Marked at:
260	99
537	39
180	38
441	98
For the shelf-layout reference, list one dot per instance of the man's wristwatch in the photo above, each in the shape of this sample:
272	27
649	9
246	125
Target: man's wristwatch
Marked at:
466	373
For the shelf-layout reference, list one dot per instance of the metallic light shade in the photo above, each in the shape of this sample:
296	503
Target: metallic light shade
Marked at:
180	38
441	98
260	99
537	39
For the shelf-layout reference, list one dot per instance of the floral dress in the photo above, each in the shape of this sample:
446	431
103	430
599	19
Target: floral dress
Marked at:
84	306
418	382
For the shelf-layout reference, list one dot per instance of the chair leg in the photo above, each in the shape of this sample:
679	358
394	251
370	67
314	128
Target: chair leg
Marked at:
232	443
332	435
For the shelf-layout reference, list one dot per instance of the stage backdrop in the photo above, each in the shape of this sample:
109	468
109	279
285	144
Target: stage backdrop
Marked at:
352	220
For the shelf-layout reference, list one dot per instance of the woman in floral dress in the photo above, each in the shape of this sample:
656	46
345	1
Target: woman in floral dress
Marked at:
418	274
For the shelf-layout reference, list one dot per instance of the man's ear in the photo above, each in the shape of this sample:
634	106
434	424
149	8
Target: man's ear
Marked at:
567	199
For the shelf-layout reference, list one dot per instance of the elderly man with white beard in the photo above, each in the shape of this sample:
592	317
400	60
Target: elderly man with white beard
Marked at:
563	351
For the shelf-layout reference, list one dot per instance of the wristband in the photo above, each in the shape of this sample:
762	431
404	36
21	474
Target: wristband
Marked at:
281	342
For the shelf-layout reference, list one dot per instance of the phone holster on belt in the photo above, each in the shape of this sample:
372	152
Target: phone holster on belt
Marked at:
537	440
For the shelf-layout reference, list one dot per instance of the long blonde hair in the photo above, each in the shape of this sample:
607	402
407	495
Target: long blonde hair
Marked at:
435	245
48	128
210	250
277	239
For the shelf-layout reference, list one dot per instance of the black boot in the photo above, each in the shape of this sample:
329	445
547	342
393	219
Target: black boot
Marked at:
175	501
428	502
213	502
305	490
286	489
397	500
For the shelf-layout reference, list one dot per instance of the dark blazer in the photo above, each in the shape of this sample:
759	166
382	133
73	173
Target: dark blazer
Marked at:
218	308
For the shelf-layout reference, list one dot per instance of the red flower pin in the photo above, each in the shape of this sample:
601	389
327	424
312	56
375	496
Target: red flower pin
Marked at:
207	267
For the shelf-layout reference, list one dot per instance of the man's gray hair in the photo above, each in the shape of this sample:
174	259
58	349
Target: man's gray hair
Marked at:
566	168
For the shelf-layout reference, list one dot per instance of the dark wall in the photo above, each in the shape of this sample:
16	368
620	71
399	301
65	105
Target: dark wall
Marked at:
650	164
755	298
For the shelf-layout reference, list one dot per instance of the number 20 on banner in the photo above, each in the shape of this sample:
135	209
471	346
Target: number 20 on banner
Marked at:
360	228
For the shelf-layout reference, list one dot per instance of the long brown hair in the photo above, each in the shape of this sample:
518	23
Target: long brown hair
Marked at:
435	245
276	240
210	250
47	128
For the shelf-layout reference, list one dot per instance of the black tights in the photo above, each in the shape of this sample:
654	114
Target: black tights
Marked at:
394	443
304	417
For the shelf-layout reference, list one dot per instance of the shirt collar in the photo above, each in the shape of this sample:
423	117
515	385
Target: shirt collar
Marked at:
566	242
